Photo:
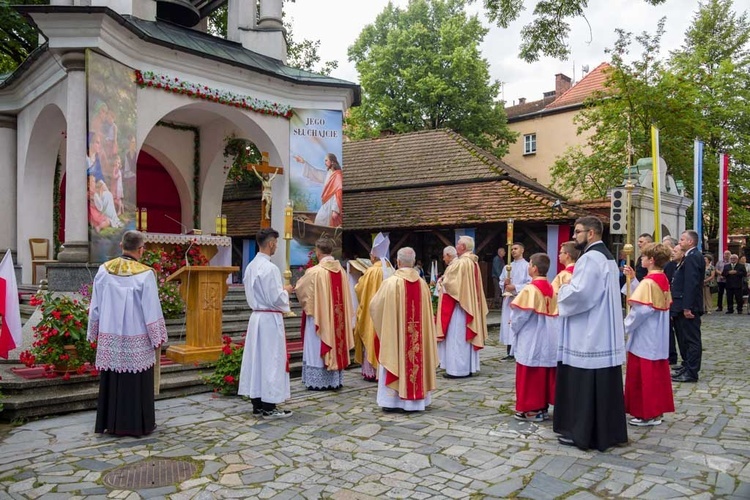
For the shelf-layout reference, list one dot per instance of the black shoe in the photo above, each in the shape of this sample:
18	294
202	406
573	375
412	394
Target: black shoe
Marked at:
729	312
683	377
448	375
678	371
508	358
566	441
393	410
718	309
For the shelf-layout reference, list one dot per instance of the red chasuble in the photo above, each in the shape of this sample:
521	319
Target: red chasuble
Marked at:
339	324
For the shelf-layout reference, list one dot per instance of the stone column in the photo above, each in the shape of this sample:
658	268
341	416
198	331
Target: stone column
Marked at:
8	179
270	14
240	17
76	246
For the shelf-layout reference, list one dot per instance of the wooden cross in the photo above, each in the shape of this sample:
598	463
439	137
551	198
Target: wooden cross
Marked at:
262	171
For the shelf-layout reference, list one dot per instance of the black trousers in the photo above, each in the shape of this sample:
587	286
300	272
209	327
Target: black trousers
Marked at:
672	343
689	338
734	296
259	405
722	286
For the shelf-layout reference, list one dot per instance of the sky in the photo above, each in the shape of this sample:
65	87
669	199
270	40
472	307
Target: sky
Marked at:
338	23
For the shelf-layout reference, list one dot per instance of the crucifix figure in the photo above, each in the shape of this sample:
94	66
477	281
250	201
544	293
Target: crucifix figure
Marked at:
266	173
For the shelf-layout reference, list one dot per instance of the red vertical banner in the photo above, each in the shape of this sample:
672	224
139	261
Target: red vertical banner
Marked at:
723	237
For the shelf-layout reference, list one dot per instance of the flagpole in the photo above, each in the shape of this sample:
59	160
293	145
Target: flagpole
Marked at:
656	184
723	201
698	191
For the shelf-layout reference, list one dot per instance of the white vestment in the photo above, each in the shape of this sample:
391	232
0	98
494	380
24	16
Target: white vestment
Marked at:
519	277
592	335
534	338
648	332
326	210
389	398
457	356
263	374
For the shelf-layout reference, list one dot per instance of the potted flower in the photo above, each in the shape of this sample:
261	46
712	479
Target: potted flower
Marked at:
60	344
226	376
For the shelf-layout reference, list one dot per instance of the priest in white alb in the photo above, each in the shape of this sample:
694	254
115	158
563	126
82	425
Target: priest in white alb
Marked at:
127	324
462	314
512	284
589	401
405	338
264	375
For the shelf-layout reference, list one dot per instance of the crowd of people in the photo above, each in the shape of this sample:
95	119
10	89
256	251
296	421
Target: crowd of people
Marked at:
567	337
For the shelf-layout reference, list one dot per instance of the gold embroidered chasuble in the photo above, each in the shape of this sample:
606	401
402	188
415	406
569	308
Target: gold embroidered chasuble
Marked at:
406	337
463	282
364	332
331	308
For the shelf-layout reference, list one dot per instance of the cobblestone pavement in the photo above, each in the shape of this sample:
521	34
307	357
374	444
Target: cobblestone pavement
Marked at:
467	445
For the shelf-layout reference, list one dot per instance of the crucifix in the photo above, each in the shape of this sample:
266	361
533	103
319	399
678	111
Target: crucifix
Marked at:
263	172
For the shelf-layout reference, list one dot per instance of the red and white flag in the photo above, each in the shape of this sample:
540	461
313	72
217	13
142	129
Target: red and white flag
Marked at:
10	333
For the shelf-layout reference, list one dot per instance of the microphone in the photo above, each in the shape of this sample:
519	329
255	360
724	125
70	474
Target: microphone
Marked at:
187	262
184	227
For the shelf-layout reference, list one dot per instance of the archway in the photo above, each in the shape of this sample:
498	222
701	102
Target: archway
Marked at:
157	193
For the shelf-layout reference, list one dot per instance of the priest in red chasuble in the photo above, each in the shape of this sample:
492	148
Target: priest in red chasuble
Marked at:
401	312
534	335
462	314
327	317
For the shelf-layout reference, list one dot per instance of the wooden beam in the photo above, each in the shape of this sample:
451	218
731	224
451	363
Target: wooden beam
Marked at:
485	242
442	238
363	243
394	248
537	240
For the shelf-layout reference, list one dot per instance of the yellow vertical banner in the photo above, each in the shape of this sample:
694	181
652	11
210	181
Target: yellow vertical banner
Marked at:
656	183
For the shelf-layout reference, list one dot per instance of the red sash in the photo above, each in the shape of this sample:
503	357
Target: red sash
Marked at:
339	324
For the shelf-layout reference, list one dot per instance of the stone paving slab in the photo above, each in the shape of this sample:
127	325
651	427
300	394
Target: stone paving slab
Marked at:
466	445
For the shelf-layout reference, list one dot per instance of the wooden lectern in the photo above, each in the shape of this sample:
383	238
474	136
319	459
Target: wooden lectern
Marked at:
203	289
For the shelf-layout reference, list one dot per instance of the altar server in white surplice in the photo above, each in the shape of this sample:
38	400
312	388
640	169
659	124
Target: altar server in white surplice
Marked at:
264	376
519	278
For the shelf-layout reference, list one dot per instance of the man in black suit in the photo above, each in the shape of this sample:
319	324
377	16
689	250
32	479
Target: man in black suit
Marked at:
734	275
640	271
687	306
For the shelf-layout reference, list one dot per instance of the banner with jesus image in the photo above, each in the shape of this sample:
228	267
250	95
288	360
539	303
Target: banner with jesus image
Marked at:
316	179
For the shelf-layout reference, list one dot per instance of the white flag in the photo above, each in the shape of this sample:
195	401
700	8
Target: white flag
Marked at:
10	332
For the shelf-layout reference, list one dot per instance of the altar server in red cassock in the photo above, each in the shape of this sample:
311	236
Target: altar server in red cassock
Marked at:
534	343
401	312
648	385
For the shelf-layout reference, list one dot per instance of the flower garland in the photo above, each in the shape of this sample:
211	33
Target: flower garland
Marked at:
197	91
196	166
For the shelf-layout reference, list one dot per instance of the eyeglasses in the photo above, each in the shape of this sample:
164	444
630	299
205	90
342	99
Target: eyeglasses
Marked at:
577	231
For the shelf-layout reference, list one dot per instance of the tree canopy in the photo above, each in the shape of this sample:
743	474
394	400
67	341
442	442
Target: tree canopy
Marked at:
702	90
420	68
18	38
548	33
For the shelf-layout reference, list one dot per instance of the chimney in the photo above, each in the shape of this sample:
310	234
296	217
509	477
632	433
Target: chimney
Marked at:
521	100
562	83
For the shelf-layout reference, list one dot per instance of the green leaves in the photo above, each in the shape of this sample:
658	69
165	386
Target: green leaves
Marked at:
420	68
701	91
548	32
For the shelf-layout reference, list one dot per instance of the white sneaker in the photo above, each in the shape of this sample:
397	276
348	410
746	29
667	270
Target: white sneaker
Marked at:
645	422
276	413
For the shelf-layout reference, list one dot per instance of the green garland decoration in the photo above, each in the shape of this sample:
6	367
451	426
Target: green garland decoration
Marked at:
56	211
150	79
196	166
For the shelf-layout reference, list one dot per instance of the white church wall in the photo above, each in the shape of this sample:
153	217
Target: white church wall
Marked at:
8	153
41	126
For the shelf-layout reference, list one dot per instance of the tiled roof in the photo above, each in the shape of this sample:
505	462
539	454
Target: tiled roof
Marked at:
528	107
436	179
450	205
584	89
599	207
431	156
243	217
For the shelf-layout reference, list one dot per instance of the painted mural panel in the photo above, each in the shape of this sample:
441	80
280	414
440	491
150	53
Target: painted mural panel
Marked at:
316	179
111	154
